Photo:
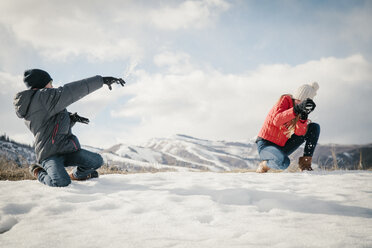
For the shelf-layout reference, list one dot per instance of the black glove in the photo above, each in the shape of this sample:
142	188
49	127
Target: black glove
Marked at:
303	116
111	80
306	106
77	118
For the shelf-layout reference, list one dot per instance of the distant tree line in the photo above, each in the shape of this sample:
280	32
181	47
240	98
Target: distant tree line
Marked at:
6	138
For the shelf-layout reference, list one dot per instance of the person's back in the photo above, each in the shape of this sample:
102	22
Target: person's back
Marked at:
44	110
45	114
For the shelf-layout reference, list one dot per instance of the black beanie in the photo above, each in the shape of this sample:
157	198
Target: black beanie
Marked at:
36	78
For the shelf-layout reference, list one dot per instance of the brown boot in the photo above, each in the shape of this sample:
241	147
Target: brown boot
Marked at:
262	167
304	163
35	169
74	178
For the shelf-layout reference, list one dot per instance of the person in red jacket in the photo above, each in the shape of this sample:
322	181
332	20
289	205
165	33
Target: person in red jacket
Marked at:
286	128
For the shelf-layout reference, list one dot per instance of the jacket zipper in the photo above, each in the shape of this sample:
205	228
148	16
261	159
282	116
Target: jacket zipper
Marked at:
73	142
55	130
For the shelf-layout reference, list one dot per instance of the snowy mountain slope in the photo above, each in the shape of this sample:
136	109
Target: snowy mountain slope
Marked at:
184	151
216	210
189	152
218	155
132	165
132	158
19	153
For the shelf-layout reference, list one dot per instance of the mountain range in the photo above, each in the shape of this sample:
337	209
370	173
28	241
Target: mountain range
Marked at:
181	152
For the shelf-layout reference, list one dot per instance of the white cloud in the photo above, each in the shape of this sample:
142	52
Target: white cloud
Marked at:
188	14
99	30
73	32
10	123
210	104
10	84
206	103
174	62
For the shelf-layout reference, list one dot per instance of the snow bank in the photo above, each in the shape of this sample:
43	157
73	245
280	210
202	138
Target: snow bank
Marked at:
317	209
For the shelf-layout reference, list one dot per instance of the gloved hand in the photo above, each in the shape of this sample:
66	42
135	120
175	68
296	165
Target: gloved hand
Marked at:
303	116
306	106
111	80
77	118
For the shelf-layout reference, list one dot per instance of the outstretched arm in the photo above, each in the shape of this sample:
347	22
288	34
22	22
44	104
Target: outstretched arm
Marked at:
55	100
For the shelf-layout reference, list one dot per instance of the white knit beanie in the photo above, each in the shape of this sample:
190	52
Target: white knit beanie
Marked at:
306	91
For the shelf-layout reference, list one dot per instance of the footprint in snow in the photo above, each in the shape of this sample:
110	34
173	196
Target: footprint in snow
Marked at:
15	209
7	223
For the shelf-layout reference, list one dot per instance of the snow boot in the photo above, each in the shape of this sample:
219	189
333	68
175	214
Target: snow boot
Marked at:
34	170
93	174
262	167
304	163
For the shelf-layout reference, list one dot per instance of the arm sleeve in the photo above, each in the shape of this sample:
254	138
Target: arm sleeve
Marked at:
284	112
56	100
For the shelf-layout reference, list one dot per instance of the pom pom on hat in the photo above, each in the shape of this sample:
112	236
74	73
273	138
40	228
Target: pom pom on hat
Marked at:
315	86
306	91
36	78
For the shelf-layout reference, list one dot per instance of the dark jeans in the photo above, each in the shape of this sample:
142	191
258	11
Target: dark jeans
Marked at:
277	156
55	174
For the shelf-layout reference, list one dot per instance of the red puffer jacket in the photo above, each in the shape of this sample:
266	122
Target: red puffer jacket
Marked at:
274	129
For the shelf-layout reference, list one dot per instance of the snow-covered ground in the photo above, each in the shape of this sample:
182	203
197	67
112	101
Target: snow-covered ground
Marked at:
186	209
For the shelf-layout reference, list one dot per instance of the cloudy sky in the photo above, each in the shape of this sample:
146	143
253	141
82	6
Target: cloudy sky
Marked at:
206	68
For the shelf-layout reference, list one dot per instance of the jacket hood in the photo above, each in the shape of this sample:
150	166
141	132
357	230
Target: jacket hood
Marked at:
22	101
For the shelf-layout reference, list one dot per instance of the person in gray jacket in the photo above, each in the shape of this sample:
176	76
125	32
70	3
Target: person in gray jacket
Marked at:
44	110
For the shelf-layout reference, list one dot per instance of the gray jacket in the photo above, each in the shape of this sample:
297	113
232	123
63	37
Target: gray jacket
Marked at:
45	114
